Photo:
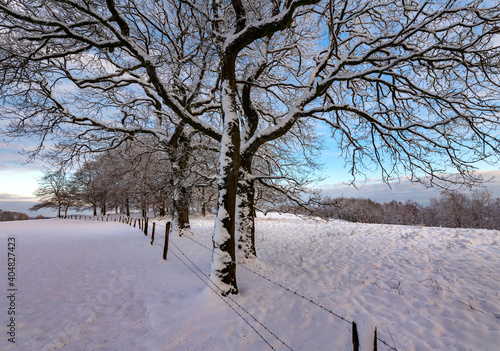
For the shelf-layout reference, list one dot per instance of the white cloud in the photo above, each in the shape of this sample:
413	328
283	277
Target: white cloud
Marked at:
401	191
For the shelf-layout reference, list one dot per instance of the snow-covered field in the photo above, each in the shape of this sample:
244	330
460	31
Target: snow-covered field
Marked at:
85	285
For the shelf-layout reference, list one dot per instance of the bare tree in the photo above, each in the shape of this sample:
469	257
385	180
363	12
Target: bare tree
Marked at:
411	87
54	191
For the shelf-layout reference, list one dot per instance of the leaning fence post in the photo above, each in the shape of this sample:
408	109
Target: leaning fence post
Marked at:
153	234
165	248
355	337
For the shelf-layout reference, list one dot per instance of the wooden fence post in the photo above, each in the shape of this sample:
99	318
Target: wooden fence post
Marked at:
165	248
355	337
375	340
146	226
153	234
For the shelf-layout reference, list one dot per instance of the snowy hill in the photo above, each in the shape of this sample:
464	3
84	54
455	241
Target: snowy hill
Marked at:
85	285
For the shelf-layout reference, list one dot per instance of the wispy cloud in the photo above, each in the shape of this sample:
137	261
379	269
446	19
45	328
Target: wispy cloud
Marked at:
11	159
401	190
16	197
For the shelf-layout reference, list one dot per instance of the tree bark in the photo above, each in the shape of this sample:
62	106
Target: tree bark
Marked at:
179	154
223	270
180	221
245	213
127	206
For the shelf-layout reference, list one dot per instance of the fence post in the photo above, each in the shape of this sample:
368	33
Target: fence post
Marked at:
375	340
355	337
165	248
146	226
153	234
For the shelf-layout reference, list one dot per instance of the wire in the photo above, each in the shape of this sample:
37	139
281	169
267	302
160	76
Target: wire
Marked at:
259	275
222	298
295	293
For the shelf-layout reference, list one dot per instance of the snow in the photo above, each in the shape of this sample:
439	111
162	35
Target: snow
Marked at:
86	285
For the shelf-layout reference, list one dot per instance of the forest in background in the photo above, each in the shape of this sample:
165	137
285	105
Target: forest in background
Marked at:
453	209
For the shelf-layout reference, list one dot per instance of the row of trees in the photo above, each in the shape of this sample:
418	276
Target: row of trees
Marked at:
409	86
135	177
131	177
13	216
452	209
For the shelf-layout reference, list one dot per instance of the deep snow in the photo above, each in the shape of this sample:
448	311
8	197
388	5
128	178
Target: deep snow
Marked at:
86	285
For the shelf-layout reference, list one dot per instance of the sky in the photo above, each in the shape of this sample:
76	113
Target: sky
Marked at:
18	181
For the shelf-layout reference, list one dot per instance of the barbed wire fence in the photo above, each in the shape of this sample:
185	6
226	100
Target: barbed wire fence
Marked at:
143	225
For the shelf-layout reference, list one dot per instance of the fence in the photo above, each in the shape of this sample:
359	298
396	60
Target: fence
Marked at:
143	225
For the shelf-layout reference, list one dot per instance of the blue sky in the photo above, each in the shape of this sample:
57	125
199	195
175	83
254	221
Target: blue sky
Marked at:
370	185
17	179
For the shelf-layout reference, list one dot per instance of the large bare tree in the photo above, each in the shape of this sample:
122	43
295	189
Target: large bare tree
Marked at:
409	86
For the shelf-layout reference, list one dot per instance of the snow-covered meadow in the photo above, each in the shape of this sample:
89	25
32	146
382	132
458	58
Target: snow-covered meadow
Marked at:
86	285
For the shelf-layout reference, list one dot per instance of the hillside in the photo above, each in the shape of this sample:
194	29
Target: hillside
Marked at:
85	285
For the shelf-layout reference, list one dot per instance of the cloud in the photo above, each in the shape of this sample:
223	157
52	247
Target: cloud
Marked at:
12	160
403	190
16	197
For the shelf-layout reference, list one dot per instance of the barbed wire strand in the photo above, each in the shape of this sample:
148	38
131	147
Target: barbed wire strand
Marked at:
158	225
295	293
233	300
222	298
285	288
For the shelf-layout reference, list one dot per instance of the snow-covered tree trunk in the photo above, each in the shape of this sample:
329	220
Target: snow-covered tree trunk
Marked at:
127	206
180	220
223	270
179	155
245	220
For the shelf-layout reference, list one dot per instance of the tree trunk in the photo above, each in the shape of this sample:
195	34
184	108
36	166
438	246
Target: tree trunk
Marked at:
127	207
180	220
179	155
245	214
202	202
223	270
162	204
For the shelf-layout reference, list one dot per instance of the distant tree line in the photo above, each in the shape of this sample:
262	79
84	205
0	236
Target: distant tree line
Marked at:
12	216
452	209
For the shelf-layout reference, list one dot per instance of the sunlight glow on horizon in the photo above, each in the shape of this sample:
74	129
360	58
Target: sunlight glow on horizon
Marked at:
21	184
